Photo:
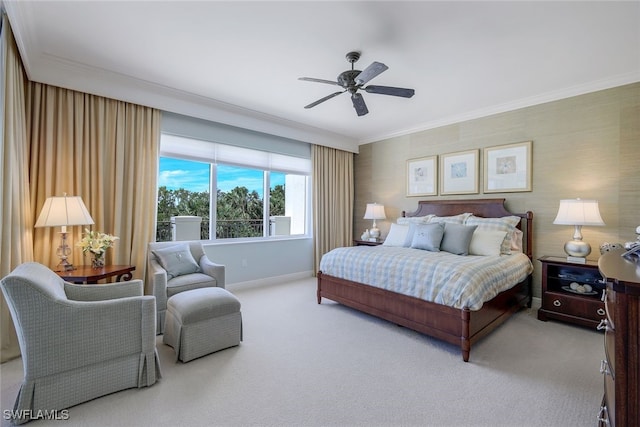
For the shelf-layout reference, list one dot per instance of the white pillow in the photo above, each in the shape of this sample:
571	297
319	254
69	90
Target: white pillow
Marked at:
505	223
486	242
516	241
414	219
454	219
397	235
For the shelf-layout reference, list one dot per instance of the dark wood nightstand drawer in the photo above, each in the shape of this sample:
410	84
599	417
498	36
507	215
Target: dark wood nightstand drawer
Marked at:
592	309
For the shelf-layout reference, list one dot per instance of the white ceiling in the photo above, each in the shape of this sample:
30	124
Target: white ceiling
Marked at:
239	62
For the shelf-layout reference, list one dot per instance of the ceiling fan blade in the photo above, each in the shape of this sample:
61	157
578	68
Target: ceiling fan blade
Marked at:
321	100
358	104
370	72
388	90
311	79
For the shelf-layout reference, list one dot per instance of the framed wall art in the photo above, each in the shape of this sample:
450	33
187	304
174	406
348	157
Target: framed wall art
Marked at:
459	172
507	168
422	176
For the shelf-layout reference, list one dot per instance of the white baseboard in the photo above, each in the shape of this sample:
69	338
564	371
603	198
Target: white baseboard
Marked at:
268	281
536	302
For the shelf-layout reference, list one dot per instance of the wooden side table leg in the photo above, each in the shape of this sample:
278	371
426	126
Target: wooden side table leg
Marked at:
124	277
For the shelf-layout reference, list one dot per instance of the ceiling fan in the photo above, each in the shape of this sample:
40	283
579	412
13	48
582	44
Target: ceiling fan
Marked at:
353	80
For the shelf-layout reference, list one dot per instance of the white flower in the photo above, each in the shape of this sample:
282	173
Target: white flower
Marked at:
96	242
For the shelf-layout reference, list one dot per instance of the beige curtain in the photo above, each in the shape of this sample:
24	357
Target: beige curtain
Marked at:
332	177
57	141
105	151
16	224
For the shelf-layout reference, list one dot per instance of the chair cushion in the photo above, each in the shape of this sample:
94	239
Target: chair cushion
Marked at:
187	282
177	260
202	304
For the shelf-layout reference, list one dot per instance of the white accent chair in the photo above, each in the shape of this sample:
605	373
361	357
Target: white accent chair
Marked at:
175	267
78	342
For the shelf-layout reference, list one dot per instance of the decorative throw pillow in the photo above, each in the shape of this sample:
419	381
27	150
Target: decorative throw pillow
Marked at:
506	223
397	235
410	234
428	237
177	260
486	242
457	238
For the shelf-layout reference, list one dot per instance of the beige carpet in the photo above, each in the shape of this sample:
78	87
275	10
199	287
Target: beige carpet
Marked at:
303	364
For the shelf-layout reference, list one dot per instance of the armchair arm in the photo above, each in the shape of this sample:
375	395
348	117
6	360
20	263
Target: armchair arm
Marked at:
157	283
107	291
82	333
214	270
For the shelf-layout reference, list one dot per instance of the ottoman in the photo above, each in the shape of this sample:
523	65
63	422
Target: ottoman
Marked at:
202	321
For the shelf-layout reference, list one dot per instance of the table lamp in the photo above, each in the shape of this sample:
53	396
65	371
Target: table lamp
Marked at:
374	211
62	212
578	212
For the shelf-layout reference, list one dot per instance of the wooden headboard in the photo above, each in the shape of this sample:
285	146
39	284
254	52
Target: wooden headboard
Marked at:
486	208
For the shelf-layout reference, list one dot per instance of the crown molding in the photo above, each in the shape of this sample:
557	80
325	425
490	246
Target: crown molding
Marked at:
576	90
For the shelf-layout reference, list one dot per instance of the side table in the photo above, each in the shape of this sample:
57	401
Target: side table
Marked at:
561	302
88	274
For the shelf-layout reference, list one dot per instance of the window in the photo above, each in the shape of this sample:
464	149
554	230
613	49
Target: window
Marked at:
183	190
257	194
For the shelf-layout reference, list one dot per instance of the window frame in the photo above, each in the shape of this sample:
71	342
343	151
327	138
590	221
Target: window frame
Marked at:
213	189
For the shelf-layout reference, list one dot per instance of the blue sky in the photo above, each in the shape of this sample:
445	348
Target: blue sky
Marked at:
194	176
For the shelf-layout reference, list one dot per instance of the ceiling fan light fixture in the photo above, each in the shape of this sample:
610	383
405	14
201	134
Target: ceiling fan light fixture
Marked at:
353	80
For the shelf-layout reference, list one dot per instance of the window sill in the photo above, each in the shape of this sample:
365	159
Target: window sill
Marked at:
245	240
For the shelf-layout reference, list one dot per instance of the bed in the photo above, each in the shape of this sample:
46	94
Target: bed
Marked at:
443	320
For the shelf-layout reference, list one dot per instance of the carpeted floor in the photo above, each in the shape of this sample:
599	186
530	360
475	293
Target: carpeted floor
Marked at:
304	364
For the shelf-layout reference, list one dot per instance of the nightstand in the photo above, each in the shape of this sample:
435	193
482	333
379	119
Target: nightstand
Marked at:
563	295
358	242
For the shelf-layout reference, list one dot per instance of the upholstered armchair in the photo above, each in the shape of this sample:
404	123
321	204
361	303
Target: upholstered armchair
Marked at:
78	342
175	267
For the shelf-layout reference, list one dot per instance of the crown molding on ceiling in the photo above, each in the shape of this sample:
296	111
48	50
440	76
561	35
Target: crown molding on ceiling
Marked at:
614	81
82	77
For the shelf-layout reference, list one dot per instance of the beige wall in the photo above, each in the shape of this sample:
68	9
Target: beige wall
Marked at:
586	146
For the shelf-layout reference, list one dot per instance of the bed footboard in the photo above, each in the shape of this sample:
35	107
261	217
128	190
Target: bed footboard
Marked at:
460	327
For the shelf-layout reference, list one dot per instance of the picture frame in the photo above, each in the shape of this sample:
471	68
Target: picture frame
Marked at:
507	168
422	175
459	172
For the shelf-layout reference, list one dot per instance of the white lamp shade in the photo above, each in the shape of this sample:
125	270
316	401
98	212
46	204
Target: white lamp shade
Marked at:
578	212
63	211
374	211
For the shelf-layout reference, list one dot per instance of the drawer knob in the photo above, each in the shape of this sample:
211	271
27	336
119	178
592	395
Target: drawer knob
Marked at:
603	416
603	325
601	312
604	367
557	303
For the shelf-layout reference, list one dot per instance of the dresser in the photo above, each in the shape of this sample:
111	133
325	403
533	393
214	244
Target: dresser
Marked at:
621	364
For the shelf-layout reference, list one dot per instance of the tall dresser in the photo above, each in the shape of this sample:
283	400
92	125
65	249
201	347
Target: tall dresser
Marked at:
621	365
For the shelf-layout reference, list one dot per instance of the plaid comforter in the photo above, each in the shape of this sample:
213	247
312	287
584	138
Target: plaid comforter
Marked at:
447	279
